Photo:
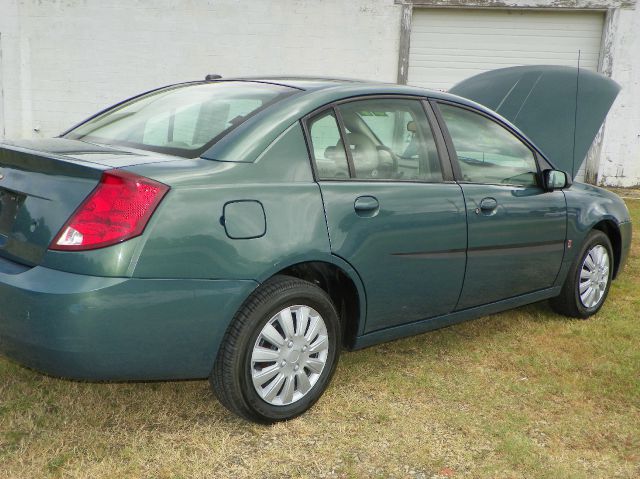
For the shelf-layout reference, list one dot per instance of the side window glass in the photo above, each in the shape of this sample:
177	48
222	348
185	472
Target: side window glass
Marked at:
328	151
488	152
391	139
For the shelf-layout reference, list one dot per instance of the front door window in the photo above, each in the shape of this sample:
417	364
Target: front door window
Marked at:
487	152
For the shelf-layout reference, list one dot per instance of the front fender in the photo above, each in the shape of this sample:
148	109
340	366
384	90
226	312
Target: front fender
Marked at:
587	206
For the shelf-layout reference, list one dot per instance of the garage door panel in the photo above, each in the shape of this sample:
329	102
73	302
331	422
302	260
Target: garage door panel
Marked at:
510	56
500	32
483	61
579	20
496	44
482	66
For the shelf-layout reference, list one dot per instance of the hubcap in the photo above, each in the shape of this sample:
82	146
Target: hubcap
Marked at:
594	276
289	355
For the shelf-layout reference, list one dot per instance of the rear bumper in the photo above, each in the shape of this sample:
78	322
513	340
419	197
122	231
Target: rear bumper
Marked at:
97	328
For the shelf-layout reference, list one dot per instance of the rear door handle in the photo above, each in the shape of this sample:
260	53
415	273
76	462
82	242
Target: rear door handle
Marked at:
366	205
487	206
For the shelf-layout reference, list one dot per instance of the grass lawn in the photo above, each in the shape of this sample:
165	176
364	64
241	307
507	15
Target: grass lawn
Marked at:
522	394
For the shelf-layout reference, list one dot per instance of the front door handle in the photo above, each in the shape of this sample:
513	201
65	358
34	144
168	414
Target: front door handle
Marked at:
487	206
366	205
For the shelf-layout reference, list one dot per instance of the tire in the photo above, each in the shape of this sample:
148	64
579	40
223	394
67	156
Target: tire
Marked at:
257	344
569	302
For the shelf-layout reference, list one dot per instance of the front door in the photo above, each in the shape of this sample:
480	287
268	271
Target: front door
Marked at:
517	230
390	212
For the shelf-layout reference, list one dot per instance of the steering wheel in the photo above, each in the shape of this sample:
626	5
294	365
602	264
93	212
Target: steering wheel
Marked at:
386	169
364	154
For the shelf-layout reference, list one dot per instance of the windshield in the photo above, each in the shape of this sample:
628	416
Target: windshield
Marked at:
183	120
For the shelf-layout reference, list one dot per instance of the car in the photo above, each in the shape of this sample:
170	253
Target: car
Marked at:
247	230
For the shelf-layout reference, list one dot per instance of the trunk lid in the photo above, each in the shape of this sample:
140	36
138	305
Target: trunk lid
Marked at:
42	182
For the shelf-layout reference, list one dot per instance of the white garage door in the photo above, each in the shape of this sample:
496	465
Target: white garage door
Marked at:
449	45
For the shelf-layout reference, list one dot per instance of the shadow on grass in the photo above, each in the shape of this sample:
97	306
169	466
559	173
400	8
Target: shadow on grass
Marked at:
457	336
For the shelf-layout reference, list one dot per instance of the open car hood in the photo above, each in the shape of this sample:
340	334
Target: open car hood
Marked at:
559	108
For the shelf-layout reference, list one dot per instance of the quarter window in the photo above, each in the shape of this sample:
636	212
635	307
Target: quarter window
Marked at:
488	152
390	139
328	152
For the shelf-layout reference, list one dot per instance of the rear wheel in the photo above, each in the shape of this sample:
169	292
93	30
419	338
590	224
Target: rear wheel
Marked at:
589	279
280	352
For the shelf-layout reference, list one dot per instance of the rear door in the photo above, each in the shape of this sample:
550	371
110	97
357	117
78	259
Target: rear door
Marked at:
517	230
393	210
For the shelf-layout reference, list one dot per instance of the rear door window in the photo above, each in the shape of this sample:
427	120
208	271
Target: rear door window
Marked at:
328	150
390	139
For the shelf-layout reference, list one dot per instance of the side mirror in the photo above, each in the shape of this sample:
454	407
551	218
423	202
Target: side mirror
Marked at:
555	180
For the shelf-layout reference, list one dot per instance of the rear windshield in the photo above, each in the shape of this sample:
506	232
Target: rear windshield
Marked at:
184	120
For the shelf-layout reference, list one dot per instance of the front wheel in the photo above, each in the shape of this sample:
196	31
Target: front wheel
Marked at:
589	279
280	352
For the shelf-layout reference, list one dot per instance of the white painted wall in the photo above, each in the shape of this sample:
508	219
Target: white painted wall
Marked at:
620	154
62	60
66	59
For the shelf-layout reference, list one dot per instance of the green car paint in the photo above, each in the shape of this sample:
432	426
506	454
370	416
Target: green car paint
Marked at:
91	327
411	236
157	306
515	250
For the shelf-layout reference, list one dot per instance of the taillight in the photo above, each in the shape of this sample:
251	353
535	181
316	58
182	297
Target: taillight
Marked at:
116	210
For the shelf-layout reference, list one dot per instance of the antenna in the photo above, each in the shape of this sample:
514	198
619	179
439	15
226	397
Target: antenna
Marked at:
575	121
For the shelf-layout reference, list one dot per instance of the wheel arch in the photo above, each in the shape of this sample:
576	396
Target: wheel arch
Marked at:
611	229
343	285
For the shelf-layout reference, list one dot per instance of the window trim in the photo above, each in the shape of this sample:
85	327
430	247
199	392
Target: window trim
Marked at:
345	146
439	138
537	156
309	141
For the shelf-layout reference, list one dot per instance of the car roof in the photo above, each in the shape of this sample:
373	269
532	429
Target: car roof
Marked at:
315	92
302	82
355	87
314	83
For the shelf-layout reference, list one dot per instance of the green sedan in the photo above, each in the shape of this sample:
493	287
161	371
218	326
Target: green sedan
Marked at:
248	230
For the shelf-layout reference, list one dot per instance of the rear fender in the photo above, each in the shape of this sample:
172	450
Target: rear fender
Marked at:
334	260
